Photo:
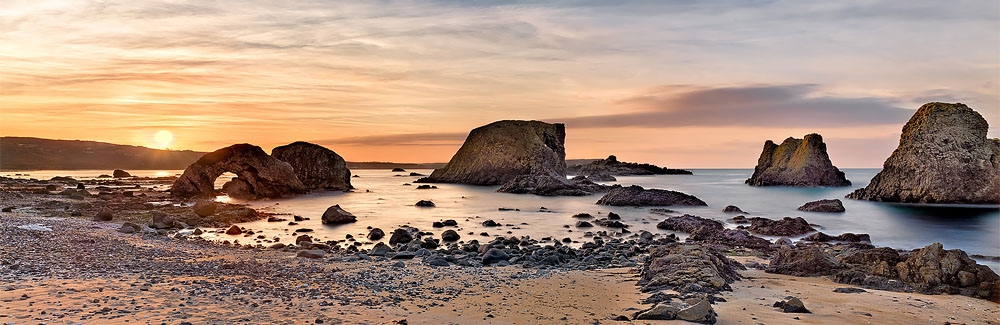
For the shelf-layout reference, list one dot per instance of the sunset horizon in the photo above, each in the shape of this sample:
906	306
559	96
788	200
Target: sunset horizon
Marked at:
677	84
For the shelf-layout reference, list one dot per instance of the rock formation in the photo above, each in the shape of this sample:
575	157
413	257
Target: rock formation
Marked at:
260	174
611	166
943	157
316	166
796	162
336	215
118	173
786	226
677	265
834	205
546	185
637	196
498	152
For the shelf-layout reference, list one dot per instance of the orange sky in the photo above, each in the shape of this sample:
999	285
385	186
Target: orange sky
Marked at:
681	85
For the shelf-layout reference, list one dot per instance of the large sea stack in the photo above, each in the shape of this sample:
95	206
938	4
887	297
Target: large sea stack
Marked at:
316	166
796	162
943	157
257	174
501	151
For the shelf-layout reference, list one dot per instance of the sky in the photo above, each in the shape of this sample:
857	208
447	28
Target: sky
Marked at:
683	84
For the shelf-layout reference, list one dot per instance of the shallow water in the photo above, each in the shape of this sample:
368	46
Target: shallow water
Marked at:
382	200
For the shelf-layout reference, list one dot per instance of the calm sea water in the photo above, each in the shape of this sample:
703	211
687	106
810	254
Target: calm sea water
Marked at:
383	200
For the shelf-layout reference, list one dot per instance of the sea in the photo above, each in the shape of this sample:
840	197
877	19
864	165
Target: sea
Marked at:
385	199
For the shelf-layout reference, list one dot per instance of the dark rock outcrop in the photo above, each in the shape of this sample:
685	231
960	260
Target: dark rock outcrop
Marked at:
546	185
732	209
637	196
845	237
677	265
834	205
118	173
258	174
376	234
787	226
204	208
335	215
499	152
796	162
713	232
612	167
943	157
316	166
803	261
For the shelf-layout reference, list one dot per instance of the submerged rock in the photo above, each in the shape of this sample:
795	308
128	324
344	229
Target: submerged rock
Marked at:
943	157
316	166
834	205
499	152
637	196
796	162
259	174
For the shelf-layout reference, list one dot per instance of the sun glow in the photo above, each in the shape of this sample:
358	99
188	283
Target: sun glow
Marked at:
163	138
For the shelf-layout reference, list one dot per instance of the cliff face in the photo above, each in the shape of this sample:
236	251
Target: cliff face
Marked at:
316	166
796	162
943	157
501	151
258	174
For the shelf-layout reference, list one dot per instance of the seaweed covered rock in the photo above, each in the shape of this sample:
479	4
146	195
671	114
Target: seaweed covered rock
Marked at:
260	174
316	166
943	157
637	196
796	162
501	151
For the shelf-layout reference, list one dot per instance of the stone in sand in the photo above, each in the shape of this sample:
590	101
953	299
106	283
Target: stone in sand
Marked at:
316	166
672	266
234	230
104	215
335	215
834	205
494	256
204	208
258	174
796	162
943	157
311	254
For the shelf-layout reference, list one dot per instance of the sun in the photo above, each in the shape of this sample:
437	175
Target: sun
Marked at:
163	138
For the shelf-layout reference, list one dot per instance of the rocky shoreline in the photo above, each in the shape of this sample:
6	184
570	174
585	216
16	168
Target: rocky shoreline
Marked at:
52	235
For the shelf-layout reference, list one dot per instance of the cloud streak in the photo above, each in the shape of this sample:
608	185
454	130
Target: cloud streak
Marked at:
749	106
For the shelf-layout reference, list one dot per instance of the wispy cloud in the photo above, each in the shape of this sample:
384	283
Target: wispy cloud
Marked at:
410	139
753	106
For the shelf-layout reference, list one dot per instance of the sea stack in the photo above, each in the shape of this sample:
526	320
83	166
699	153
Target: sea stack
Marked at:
257	174
943	157
316	166
501	151
796	162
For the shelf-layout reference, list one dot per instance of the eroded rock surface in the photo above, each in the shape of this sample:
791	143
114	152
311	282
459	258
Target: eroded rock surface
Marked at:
834	205
678	265
796	162
316	166
637	196
260	174
943	157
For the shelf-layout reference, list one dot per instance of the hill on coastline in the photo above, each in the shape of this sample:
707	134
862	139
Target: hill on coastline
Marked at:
27	153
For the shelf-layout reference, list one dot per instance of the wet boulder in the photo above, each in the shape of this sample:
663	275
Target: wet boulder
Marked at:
316	166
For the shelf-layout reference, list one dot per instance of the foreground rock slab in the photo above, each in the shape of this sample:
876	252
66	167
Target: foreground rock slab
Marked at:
943	157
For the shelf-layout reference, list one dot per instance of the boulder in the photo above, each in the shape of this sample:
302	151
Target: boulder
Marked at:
234	230
714	232
796	162
376	234
820	237
792	305
104	215
732	209
834	205
316	166
118	173
494	256
424	204
612	167
204	208
129	228
335	215
803	261
675	265
380	249
260	174
787	226
401	236
311	254
933	269
637	196
498	152
943	157
450	235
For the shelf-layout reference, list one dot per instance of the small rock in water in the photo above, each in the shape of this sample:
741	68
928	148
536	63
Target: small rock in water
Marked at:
234	230
849	290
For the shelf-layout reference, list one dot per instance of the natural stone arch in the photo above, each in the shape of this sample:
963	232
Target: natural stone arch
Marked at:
257	175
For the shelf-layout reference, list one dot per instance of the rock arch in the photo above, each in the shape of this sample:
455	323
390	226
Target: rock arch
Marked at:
257	175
